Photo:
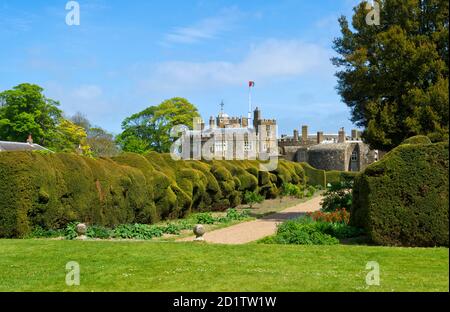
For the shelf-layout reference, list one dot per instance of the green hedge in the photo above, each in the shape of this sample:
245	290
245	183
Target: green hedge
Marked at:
52	190
314	176
418	139
403	199
339	176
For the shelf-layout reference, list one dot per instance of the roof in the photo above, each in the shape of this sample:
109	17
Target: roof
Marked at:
330	146
6	146
220	131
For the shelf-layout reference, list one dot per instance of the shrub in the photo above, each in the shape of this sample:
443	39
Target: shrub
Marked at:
306	231
96	231
338	216
343	231
335	177
418	139
137	231
70	231
171	228
310	191
289	189
252	198
403	198
204	218
234	215
52	190
39	232
314	176
338	196
303	233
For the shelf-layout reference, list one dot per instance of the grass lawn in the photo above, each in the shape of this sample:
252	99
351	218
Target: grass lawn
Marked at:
39	265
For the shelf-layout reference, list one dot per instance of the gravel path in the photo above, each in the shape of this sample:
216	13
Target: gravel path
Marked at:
251	231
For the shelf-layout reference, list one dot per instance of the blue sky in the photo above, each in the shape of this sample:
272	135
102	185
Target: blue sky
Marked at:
128	55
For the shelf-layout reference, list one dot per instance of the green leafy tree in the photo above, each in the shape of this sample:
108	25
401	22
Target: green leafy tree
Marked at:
101	142
70	137
150	129
394	76
25	110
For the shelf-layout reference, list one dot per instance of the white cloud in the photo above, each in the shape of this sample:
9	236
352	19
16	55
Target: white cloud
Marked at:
268	60
208	28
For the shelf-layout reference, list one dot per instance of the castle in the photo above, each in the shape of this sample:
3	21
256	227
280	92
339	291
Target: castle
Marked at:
328	151
248	138
231	137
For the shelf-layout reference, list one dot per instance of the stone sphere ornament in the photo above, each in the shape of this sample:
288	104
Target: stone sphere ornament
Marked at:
81	229
199	231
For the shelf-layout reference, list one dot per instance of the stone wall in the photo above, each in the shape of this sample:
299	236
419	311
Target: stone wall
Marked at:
329	156
332	156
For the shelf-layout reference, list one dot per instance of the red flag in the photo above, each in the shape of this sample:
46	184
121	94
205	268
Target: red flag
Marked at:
251	84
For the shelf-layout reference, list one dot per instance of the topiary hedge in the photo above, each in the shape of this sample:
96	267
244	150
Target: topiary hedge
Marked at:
52	190
402	200
339	176
418	139
314	176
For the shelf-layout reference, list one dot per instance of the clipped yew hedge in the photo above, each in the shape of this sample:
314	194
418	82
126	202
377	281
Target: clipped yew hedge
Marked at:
52	190
335	176
314	176
402	200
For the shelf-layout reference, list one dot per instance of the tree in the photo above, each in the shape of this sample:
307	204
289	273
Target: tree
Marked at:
81	120
101	142
150	129
394	76
25	110
70	137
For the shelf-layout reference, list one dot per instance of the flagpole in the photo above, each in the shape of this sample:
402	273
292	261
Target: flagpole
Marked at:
249	105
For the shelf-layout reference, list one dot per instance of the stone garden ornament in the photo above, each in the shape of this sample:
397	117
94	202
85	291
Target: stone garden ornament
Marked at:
199	231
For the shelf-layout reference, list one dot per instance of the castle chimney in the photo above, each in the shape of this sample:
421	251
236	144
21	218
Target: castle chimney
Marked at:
295	135
197	124
319	137
30	139
256	118
355	134
341	136
304	134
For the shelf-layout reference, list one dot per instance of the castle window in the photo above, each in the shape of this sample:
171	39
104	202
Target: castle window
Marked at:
355	156
221	146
